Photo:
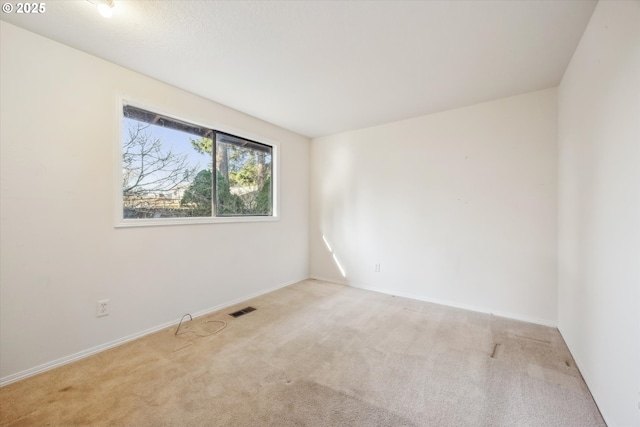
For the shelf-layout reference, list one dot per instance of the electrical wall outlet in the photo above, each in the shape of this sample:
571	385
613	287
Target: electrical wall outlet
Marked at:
102	308
377	268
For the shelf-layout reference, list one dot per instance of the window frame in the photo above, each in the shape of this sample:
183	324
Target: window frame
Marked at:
121	222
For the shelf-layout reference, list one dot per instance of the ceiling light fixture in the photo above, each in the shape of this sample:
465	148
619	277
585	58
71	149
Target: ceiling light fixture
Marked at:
105	7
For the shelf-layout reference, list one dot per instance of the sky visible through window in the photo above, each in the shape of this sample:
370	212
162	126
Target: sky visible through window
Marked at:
176	140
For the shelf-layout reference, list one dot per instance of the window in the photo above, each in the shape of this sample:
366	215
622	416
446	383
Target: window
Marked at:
178	172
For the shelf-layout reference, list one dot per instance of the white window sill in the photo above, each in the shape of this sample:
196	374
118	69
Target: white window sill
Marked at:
156	222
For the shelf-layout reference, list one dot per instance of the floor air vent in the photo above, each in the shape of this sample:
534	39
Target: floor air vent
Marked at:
242	312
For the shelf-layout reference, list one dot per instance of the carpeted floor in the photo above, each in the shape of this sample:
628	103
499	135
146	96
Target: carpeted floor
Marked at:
319	354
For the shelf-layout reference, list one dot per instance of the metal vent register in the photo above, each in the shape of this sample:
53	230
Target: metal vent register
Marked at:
242	312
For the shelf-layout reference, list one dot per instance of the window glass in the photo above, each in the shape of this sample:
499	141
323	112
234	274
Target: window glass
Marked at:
168	170
243	184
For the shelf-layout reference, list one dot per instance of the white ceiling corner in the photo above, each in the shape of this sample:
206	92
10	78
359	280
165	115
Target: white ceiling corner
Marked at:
322	67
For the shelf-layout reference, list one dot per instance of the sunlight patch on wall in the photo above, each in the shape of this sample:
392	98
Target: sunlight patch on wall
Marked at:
339	266
327	243
335	258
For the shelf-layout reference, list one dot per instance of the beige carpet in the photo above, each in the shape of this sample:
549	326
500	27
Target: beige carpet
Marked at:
319	354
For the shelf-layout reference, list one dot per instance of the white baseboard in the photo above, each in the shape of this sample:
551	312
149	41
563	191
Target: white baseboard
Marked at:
102	347
338	282
514	316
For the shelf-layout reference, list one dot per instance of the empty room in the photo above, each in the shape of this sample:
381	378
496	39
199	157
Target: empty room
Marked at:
320	213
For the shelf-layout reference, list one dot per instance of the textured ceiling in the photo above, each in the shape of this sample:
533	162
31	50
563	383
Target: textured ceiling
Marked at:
318	67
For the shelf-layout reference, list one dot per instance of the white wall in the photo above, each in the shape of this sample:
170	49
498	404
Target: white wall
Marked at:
458	207
60	251
599	209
